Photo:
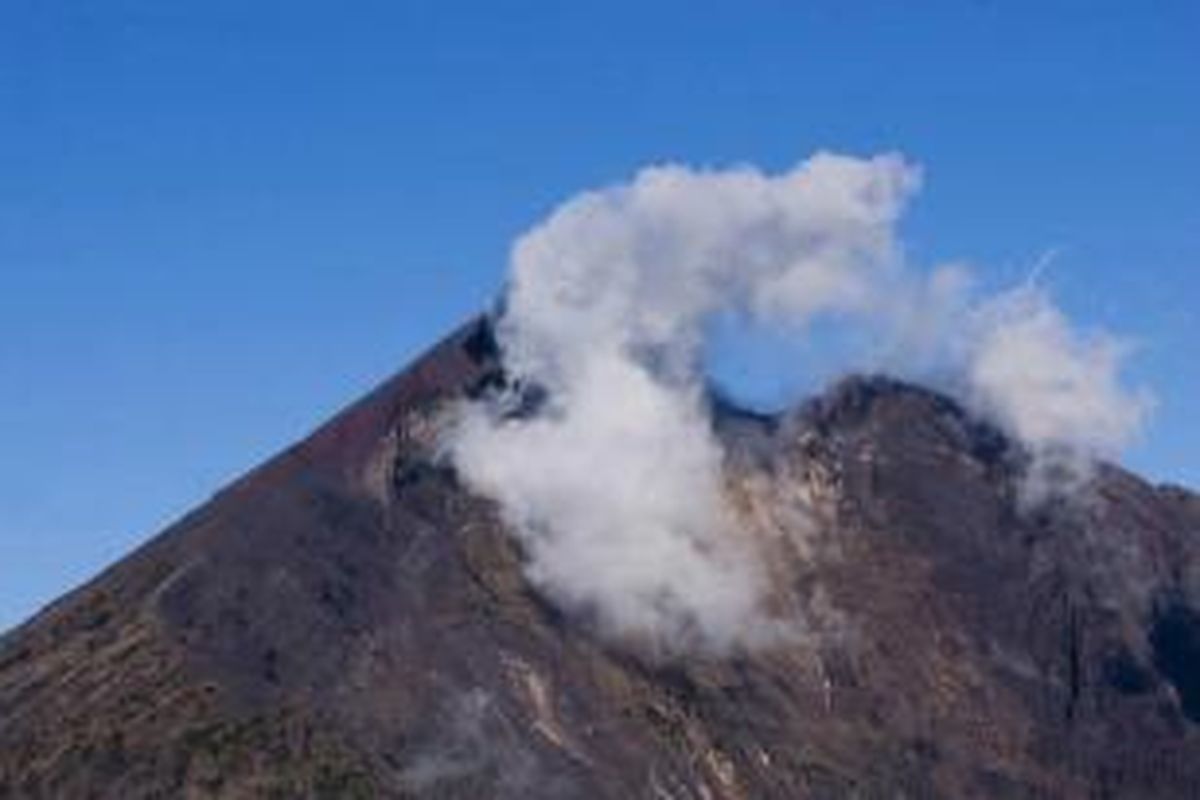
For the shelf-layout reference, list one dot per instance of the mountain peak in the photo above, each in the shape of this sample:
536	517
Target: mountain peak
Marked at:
349	621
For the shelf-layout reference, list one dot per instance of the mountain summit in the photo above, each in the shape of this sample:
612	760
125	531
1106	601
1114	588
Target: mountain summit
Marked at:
349	620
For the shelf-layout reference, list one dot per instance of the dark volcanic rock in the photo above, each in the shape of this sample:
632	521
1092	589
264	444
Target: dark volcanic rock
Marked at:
347	621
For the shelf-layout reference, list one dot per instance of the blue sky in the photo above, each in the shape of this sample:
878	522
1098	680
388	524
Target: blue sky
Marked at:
220	221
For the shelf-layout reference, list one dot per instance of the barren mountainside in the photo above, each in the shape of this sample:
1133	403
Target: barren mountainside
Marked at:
349	621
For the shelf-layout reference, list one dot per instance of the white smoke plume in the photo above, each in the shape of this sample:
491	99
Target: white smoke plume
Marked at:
1055	388
615	484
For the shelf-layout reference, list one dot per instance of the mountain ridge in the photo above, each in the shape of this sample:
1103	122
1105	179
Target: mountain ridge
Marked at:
347	620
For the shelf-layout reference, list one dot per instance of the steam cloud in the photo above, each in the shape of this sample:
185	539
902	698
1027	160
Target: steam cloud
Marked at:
1054	388
615	484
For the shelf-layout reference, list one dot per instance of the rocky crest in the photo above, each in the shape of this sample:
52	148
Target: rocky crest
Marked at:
348	621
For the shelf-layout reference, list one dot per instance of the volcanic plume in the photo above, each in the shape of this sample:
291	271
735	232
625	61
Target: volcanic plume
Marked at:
615	484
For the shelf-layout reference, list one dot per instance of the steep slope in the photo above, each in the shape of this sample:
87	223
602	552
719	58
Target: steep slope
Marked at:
348	621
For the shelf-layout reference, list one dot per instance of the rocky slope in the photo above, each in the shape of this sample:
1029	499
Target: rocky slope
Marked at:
348	621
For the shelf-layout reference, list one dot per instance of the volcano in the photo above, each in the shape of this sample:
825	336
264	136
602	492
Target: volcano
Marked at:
349	620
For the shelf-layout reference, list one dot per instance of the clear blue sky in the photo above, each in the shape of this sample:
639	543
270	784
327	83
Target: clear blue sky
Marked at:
222	220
